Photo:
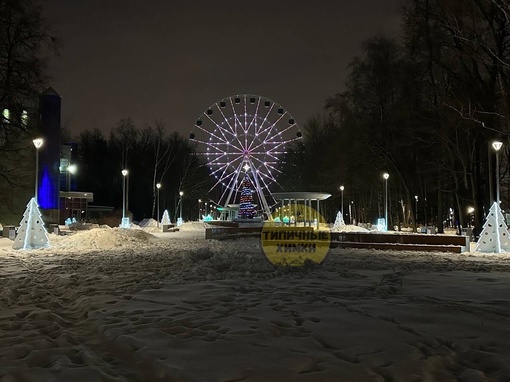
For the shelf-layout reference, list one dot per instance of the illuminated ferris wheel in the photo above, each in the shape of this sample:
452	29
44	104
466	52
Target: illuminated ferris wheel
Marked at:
244	135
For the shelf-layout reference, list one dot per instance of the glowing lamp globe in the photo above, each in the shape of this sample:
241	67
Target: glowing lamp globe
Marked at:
497	145
38	142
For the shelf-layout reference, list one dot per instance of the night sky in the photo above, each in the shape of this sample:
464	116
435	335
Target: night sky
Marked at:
169	60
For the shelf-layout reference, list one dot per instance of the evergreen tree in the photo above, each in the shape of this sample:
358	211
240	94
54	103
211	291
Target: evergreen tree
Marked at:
246	207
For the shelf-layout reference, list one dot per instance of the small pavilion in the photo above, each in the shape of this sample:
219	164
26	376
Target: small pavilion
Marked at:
292	200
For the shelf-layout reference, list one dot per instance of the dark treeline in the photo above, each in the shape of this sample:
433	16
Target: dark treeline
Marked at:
425	108
151	156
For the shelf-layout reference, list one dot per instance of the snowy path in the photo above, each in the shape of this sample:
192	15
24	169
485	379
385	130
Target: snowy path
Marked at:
180	308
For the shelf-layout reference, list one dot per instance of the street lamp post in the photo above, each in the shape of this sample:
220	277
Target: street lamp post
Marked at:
497	146
37	143
416	210
470	215
71	170
124	175
127	193
158	186
342	188
199	209
180	206
386	176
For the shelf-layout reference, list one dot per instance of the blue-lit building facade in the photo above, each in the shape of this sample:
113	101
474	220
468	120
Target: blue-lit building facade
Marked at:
48	193
57	196
55	164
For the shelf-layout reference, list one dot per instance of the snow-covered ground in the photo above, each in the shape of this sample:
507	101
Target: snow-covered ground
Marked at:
131	305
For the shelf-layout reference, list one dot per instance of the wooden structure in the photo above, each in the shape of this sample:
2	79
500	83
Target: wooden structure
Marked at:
404	242
380	241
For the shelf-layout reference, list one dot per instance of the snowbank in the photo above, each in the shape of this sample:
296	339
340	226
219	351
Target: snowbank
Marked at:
102	238
350	228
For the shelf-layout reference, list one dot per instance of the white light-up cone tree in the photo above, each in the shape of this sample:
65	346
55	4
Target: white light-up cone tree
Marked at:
494	236
165	220
339	221
31	233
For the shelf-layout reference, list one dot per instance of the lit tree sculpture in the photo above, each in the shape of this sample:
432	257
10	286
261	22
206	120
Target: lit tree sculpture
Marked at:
246	207
165	220
31	233
339	222
494	235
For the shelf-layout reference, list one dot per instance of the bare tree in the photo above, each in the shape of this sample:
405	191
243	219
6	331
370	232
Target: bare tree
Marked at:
25	42
465	45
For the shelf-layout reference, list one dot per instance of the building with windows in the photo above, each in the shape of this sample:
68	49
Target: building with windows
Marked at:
56	191
17	158
58	196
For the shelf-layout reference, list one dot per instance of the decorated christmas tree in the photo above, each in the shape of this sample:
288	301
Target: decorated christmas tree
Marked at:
31	233
494	236
165	220
339	221
246	207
